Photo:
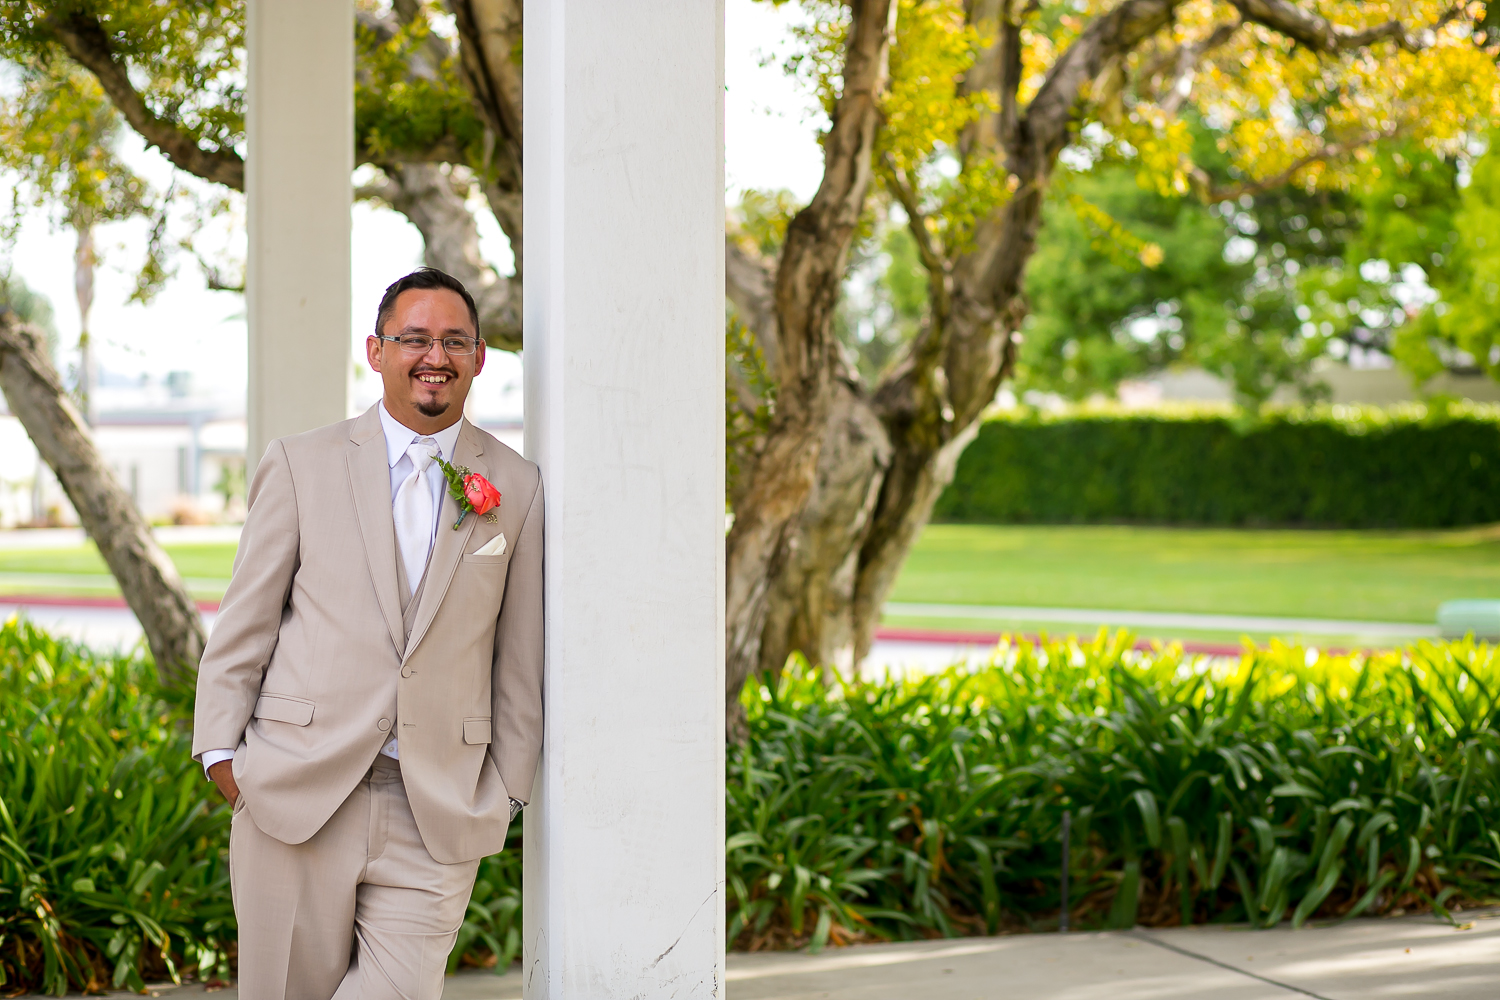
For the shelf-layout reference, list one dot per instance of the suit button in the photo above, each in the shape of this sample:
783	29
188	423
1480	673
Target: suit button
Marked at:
384	725
406	671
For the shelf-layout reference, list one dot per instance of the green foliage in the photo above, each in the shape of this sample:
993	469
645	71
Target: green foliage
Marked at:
491	932
112	865
1412	466
1281	786
1098	314
1461	329
58	133
1284	785
113	847
762	218
396	111
33	307
186	56
749	398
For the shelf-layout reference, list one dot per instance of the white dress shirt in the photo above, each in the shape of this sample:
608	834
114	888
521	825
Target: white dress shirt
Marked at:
398	438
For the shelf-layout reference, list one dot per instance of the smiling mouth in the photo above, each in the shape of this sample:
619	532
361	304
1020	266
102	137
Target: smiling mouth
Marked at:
433	378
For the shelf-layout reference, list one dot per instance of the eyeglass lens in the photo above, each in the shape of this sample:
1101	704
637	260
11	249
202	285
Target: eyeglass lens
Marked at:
418	344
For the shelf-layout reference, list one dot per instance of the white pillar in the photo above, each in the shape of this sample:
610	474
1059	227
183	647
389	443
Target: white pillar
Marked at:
300	155
624	328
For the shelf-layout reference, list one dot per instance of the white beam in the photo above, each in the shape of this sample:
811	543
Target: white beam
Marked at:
300	155
624	328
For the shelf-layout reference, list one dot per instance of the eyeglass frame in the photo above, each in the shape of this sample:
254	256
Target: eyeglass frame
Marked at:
476	341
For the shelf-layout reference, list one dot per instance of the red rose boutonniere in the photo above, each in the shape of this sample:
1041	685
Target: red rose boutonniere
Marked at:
472	491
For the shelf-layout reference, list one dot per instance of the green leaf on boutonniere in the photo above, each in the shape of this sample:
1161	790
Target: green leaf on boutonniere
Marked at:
455	474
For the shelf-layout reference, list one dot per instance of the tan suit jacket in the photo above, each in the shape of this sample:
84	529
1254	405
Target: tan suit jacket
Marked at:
310	670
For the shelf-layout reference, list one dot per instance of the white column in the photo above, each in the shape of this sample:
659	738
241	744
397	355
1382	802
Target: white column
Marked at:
624	328
300	147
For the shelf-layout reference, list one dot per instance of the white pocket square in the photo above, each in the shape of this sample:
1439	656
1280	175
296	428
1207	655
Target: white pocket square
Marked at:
494	547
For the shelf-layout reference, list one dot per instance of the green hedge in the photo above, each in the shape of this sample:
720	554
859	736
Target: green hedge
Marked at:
1358	467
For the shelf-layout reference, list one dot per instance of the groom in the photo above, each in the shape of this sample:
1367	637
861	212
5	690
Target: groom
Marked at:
370	701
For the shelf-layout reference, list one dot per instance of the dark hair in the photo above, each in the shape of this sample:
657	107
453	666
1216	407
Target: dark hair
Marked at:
425	277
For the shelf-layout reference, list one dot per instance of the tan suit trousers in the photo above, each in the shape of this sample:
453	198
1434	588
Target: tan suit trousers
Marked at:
361	911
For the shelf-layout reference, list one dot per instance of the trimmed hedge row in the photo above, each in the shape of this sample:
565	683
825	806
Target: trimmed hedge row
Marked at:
1411	466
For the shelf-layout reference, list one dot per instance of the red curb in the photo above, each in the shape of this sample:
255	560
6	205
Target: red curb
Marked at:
70	601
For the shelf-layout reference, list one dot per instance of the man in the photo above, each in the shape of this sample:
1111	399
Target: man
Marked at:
370	700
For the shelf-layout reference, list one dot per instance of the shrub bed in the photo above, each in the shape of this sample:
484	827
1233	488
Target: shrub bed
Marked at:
113	847
1285	785
1411	466
112	868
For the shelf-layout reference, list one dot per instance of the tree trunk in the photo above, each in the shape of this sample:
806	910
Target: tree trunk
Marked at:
807	351
147	577
883	454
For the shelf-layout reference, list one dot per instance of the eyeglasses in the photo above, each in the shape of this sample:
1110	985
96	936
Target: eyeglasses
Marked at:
420	343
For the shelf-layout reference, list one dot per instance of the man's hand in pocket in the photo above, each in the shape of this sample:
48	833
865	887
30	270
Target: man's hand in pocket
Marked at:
222	774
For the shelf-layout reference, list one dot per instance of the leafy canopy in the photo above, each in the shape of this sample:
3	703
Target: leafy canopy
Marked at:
1258	125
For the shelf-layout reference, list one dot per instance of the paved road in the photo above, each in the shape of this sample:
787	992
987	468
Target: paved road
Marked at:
1409	957
107	625
67	538
1168	620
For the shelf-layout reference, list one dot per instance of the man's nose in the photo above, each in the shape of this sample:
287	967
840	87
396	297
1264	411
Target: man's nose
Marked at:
436	355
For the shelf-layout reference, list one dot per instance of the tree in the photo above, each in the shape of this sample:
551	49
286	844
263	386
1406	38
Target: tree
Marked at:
831	496
172	72
1451	236
57	137
958	113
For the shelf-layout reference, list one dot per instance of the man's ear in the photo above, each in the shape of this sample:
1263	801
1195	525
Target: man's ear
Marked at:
479	357
372	353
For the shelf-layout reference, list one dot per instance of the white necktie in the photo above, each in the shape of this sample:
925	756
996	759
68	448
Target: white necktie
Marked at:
413	511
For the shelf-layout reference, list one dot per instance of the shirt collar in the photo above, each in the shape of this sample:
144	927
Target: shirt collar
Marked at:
398	437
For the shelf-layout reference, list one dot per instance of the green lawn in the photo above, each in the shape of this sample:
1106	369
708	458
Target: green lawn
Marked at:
81	570
1371	576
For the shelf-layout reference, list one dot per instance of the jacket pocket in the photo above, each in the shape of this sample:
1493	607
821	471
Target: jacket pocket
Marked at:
284	708
476	730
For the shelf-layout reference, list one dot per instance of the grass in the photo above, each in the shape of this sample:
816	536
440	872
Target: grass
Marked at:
1359	575
80	570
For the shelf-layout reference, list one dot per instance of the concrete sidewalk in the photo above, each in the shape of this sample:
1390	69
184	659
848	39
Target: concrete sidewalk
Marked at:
1360	960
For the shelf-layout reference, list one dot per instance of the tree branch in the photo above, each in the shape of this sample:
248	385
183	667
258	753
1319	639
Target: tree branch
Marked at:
1322	35
1050	113
750	285
932	257
436	203
1185	65
86	41
489	46
818	237
147	577
1213	194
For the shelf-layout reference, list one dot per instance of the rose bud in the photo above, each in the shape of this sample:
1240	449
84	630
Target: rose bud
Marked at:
481	494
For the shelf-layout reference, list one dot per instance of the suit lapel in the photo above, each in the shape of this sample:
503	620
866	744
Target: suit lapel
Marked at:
370	480
450	545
